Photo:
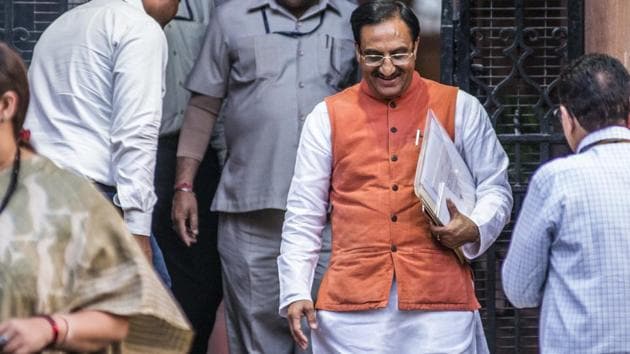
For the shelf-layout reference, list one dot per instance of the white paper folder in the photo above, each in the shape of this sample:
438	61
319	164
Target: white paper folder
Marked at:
442	174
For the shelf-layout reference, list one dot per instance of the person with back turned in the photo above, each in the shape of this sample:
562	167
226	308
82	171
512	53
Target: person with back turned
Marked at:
569	249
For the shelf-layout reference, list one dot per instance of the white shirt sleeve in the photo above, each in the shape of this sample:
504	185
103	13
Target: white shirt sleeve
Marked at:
478	144
307	206
139	65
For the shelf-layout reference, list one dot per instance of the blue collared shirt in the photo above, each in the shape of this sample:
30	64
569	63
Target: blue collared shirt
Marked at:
570	248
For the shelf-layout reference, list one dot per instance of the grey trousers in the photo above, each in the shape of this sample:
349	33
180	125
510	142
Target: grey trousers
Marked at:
249	244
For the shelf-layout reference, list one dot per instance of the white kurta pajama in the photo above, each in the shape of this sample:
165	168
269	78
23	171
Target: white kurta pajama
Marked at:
389	330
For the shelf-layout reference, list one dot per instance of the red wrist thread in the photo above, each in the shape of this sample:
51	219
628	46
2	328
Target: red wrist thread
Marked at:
54	327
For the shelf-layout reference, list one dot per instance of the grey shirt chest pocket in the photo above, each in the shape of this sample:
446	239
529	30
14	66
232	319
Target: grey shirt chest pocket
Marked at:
336	60
263	56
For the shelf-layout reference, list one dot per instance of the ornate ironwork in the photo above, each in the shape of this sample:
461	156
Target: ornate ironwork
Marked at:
508	53
23	21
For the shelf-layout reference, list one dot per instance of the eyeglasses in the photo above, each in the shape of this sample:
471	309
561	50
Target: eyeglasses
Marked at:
378	59
557	114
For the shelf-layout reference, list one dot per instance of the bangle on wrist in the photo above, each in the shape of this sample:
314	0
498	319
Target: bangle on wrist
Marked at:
184	187
55	330
66	334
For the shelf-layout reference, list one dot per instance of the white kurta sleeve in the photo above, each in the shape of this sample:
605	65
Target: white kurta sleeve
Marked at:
307	205
478	144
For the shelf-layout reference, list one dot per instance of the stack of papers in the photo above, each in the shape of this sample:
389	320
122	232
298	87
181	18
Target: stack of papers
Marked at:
442	174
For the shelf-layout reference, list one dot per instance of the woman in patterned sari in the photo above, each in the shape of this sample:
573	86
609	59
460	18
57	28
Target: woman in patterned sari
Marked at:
71	277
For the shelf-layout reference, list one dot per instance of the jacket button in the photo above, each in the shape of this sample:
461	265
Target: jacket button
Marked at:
394	218
394	187
392	104
394	157
394	248
393	129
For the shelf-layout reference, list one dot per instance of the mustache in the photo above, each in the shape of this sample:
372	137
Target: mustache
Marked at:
377	74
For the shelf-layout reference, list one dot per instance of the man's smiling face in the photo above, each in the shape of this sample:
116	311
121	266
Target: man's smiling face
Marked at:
387	81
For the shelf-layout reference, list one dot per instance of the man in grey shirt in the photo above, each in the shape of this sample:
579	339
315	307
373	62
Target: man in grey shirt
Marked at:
264	65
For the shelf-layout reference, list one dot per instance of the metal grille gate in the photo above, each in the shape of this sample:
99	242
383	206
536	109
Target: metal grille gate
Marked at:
508	53
23	21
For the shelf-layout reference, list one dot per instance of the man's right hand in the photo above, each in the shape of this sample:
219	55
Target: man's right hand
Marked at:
184	216
295	312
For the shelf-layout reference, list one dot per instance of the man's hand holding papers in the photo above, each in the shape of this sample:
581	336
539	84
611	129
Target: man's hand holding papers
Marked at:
446	188
458	231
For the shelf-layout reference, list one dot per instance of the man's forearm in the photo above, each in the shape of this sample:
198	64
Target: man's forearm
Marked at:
201	114
144	242
186	170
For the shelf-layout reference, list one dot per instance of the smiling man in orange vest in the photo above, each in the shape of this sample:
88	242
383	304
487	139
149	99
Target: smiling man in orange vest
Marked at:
391	286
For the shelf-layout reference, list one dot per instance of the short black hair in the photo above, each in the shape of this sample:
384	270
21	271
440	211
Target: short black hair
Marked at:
595	88
376	11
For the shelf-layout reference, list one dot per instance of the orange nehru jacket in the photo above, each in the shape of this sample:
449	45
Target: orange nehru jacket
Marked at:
378	228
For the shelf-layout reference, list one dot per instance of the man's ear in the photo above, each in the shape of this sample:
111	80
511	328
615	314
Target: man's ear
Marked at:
416	44
357	52
573	130
568	118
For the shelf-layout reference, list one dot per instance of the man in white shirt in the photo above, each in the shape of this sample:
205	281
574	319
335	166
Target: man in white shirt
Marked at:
97	79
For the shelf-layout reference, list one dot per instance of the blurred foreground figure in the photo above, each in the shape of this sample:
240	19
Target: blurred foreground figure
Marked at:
71	277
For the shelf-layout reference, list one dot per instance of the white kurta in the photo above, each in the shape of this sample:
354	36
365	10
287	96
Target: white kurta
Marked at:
307	206
390	330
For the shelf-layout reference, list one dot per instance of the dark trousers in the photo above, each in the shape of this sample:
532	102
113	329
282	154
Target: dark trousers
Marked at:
195	271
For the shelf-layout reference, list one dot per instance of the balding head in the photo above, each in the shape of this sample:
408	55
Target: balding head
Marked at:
161	10
595	89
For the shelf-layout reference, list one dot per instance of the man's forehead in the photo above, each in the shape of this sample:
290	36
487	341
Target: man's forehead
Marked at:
392	26
391	33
